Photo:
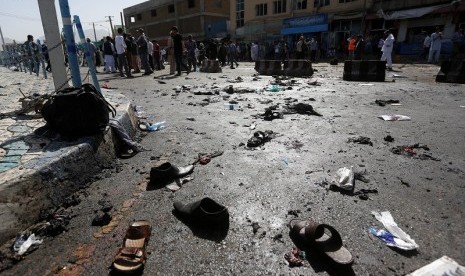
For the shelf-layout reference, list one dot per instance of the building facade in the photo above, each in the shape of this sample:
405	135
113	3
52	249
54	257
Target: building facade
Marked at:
200	18
331	22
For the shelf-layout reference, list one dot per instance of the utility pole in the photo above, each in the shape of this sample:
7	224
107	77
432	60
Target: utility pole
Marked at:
3	41
111	25
95	34
48	15
122	21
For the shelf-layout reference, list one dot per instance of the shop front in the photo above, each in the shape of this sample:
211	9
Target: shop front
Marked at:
313	26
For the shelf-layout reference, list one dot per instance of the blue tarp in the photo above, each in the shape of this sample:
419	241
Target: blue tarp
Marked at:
305	29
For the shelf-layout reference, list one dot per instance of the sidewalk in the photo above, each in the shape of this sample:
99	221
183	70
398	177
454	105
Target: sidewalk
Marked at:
37	170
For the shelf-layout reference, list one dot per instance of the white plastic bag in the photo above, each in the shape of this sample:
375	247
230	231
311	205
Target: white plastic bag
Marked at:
400	239
395	117
31	240
345	178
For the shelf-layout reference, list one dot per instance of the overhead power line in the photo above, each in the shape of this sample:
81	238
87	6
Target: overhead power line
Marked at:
19	16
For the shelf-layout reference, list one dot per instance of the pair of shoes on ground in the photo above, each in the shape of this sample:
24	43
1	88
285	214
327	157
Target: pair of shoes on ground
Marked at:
322	239
132	255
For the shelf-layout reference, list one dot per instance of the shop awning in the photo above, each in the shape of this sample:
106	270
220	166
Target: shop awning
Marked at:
411	13
305	29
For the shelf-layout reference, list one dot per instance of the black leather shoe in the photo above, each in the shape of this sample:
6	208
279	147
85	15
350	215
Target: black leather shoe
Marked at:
167	172
204	212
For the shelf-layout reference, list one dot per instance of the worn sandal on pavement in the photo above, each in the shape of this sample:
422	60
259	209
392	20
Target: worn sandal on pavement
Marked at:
322	238
131	257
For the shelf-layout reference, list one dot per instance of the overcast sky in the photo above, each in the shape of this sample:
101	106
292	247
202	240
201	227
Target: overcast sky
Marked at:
18	18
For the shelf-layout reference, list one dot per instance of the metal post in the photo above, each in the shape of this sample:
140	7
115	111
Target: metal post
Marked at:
90	60
122	21
3	41
55	49
111	25
95	34
70	43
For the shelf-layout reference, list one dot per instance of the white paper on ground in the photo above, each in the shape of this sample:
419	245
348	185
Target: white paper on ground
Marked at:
345	178
32	240
395	117
442	266
405	241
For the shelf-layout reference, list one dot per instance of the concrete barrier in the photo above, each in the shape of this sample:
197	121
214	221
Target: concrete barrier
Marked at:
364	70
452	72
298	68
210	66
58	170
268	67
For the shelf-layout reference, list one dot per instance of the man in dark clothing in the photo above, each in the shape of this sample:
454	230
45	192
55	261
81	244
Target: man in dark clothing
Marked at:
142	44
222	54
360	48
178	50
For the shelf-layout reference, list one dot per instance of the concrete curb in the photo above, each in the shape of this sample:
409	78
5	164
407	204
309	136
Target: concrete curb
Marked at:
59	170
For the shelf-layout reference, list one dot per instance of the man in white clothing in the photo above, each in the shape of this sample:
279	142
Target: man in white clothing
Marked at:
435	48
254	51
120	46
387	49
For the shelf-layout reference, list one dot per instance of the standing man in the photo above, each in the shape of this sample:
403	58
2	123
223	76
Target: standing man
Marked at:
387	49
150	51
426	45
92	50
108	51
360	48
254	51
352	45
313	49
178	50
232	54
191	47
300	48
121	47
435	49
31	52
143	51
156	55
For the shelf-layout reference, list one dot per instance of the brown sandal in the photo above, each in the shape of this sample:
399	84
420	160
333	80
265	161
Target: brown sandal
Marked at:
314	236
131	257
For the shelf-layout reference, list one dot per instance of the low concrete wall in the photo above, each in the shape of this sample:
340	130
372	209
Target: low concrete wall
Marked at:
60	170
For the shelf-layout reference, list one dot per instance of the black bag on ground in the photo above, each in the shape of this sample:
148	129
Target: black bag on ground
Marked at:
76	112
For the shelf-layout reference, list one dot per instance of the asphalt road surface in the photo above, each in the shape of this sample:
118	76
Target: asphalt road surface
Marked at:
287	177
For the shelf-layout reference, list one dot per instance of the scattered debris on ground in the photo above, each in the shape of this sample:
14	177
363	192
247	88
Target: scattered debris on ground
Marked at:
410	151
360	140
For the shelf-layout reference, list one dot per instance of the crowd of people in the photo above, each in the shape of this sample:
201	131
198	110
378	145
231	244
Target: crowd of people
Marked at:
127	54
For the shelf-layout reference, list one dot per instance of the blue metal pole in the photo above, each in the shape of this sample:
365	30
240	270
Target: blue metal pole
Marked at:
70	43
89	59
